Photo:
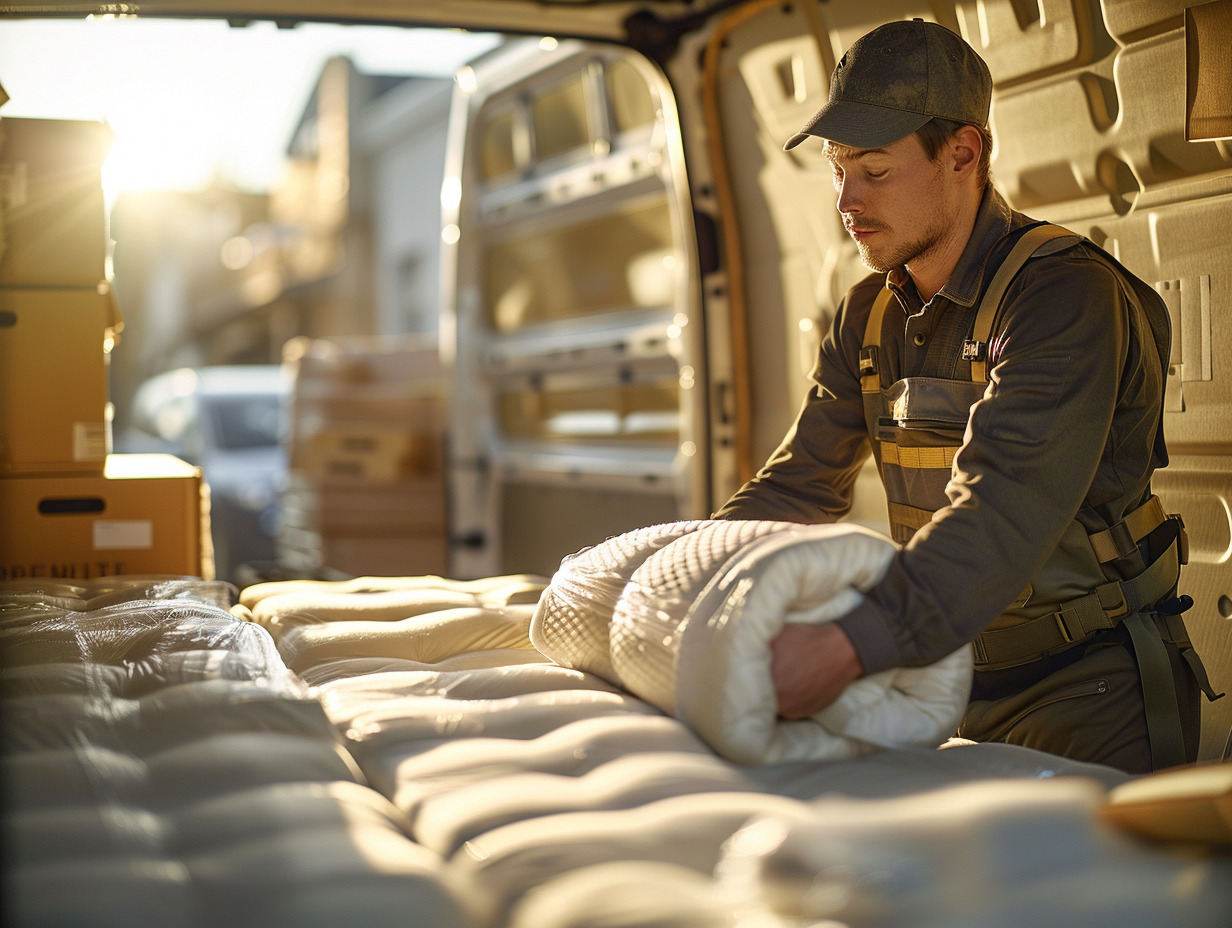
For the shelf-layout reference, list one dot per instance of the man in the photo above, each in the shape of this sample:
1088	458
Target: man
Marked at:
1015	419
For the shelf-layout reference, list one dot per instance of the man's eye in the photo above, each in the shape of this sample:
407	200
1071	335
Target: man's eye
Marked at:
876	174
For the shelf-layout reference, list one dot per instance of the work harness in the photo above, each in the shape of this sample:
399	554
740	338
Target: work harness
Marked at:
916	425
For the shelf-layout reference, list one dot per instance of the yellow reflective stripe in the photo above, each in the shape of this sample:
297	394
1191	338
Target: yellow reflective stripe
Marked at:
909	516
940	458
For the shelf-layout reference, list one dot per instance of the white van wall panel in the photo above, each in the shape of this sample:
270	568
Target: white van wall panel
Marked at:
1198	260
1200	489
1058	36
1128	20
541	521
1054	144
1150	85
1172	248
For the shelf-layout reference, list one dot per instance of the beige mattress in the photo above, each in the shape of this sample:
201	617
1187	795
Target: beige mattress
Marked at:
164	765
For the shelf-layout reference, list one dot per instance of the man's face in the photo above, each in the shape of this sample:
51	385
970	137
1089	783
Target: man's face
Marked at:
894	201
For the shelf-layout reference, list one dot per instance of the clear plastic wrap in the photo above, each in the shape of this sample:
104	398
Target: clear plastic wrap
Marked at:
100	592
145	730
139	635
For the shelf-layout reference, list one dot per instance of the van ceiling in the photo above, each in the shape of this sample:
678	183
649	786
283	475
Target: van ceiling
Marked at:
637	22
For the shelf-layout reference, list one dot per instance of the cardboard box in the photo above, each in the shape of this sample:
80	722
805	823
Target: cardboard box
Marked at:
51	202
366	555
368	453
53	379
145	514
350	506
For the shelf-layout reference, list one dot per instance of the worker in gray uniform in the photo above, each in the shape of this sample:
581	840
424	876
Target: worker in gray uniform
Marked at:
1007	376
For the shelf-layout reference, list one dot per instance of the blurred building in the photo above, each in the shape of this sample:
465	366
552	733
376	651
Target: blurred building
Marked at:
347	243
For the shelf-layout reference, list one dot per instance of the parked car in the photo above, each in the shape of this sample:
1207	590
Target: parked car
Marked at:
227	420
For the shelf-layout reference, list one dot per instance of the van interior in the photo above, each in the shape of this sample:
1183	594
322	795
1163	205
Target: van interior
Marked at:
570	288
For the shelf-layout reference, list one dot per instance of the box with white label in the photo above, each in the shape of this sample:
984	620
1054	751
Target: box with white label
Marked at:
145	514
53	378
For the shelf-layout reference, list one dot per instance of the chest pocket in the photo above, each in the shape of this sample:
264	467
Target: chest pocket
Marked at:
919	426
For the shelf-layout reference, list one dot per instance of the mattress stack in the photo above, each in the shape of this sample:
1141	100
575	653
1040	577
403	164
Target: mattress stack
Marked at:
390	750
163	767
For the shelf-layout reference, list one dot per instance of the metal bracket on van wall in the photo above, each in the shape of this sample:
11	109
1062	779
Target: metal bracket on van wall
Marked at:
1189	307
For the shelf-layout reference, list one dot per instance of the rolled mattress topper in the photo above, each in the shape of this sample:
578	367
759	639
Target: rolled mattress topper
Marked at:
682	615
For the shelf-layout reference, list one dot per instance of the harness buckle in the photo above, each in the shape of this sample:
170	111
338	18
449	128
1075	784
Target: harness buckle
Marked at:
868	360
1123	540
1182	537
979	653
1112	600
974	350
1066	635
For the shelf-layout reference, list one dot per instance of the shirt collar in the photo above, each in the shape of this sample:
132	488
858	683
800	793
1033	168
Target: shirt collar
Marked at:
993	220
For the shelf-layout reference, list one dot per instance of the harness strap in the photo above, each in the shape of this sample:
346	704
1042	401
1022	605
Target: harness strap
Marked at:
1158	692
870	370
976	350
907	520
1121	540
1079	618
1174	631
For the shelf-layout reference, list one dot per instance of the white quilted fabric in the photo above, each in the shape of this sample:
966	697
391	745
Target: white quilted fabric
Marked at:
687	617
571	620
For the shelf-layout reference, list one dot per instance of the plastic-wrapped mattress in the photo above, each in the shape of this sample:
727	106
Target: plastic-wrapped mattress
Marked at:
163	766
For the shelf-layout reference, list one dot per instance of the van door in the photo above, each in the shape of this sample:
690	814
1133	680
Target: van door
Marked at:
571	324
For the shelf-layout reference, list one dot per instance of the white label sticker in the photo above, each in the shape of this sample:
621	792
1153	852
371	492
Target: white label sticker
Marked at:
129	534
89	441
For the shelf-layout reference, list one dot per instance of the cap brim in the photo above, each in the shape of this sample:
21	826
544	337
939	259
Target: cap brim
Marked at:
858	125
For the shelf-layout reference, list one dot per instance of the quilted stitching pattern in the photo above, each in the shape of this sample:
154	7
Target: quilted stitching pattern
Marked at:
682	615
650	617
571	621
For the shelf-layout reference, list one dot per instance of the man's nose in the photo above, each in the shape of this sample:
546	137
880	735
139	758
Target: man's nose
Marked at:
849	200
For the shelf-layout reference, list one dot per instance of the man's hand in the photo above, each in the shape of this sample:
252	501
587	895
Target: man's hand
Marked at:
811	665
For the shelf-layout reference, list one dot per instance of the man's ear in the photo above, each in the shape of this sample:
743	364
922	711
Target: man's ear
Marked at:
965	147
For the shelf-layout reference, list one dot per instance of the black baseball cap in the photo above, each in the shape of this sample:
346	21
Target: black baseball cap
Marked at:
896	78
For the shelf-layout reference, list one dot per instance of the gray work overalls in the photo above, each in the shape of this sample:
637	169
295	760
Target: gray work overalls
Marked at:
916	425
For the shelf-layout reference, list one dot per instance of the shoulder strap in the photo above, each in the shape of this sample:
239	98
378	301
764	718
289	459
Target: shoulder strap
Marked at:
976	348
870	373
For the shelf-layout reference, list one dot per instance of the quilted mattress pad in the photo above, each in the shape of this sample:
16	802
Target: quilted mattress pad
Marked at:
682	615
